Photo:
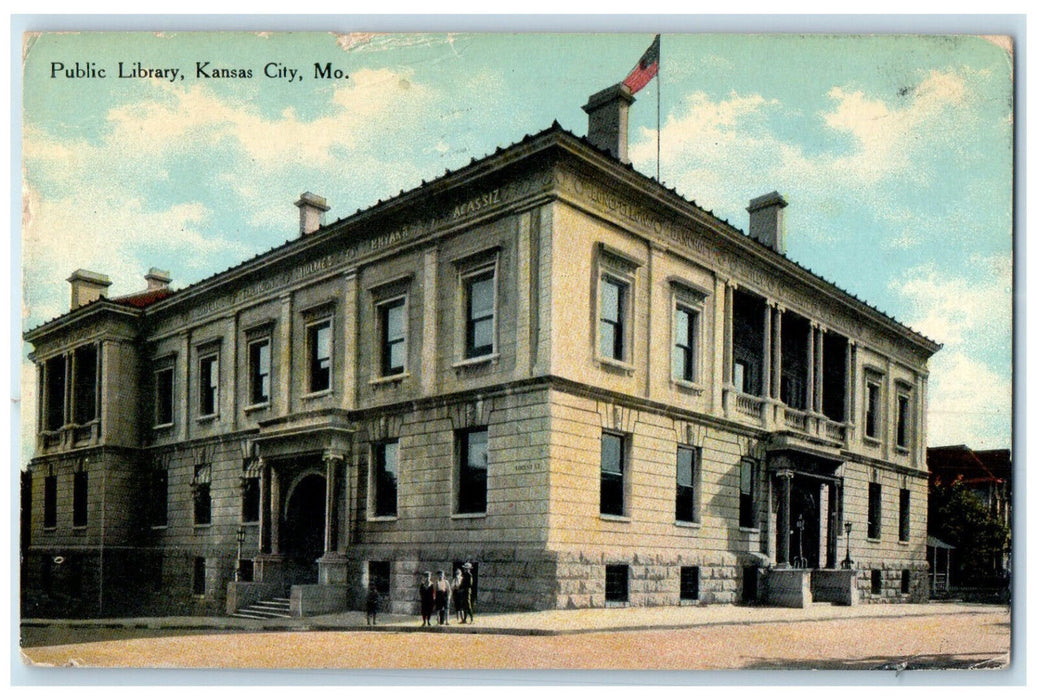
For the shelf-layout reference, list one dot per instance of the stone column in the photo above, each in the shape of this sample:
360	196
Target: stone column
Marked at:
330	502
819	372
350	354
275	511
776	356
765	389
264	506
784	515
728	382
834	527
848	386
283	397
811	369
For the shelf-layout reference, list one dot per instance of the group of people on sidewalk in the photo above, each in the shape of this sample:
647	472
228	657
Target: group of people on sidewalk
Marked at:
443	594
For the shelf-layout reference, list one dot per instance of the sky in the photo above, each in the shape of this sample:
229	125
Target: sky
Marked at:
895	154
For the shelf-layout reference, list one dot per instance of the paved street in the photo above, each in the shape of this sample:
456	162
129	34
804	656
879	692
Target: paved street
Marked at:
719	637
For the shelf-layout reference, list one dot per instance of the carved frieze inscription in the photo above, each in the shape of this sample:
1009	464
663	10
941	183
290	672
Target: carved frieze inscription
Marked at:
704	248
447	213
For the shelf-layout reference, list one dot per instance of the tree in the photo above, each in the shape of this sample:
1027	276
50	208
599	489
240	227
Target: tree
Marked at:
959	517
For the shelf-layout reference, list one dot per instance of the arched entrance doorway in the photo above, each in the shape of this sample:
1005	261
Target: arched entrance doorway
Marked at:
304	529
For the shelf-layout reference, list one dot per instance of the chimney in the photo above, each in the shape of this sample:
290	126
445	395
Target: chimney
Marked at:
607	119
311	212
157	279
87	287
767	222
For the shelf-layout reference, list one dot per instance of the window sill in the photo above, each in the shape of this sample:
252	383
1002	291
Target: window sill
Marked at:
615	365
689	603
50	529
316	395
79	528
903	450
202	526
473	361
163	426
904	543
750	530
389	379
873	540
382	518
685	385
690	524
467	516
871	441
210	418
159	527
614	518
257	407
617	604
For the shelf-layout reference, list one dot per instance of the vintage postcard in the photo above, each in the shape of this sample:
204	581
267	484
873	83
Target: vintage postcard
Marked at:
680	351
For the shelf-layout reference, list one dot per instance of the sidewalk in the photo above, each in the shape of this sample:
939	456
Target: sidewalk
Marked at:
550	622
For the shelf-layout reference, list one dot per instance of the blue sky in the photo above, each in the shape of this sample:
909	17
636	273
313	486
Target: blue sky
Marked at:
894	152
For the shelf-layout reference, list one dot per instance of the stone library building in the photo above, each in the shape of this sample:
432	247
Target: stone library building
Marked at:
545	364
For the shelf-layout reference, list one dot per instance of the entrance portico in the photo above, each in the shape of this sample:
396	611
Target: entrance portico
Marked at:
809	491
305	496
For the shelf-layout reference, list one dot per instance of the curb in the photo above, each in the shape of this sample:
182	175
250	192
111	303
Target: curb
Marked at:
309	625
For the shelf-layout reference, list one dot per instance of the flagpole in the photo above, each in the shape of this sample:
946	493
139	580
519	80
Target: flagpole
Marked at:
658	124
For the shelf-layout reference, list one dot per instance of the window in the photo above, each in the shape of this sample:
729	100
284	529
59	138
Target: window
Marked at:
208	384
84	384
687	479
747	494
616	583
384	483
613	458
250	499
479	292
905	515
472	467
259	372
684	332
611	328
903	419
871	413
79	495
50	501
164	396
876	581
54	380
318	344
393	336
874	510
905	581
202	495
159	498
378	576
199	576
689	583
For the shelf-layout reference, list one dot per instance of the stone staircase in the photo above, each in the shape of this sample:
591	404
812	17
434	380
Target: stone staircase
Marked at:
265	610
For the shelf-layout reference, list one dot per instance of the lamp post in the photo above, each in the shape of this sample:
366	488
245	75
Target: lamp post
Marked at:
848	563
237	562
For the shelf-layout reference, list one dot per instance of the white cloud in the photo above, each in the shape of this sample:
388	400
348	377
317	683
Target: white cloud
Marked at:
196	115
952	310
968	403
103	229
725	151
